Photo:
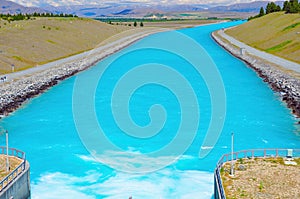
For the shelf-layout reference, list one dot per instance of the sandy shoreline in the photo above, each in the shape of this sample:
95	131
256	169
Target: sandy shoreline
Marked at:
21	86
282	80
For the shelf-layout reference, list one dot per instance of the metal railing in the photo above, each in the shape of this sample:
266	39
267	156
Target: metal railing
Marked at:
17	171
252	153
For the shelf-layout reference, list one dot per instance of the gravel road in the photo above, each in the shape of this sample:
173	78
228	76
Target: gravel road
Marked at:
271	58
271	69
105	50
18	87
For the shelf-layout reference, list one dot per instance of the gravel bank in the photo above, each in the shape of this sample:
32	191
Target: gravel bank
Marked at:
19	87
277	76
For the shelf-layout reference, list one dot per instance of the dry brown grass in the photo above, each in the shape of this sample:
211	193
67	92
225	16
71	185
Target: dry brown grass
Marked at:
14	162
264	178
179	24
34	42
276	33
280	68
30	43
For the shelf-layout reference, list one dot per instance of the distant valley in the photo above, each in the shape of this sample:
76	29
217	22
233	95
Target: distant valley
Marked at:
138	10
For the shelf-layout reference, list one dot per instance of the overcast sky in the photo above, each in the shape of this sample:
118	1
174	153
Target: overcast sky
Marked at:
39	3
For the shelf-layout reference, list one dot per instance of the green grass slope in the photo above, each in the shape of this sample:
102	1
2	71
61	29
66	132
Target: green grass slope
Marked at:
276	33
30	43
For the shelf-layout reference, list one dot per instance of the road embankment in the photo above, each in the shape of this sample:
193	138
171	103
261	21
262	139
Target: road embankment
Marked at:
281	79
17	88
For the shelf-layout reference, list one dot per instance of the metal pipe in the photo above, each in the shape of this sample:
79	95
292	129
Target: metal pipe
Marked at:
7	160
232	166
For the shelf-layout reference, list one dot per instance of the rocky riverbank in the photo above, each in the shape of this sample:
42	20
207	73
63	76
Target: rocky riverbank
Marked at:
279	80
13	93
16	92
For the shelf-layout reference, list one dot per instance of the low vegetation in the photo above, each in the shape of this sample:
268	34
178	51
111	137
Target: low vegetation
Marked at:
125	23
20	16
13	164
29	43
277	33
261	178
161	23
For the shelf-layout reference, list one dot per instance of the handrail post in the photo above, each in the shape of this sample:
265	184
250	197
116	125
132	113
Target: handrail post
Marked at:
232	165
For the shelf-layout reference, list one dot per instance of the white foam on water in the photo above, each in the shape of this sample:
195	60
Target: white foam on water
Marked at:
206	147
87	158
166	183
187	157
265	141
133	162
59	185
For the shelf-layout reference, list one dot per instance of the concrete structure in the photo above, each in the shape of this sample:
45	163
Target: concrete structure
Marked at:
219	192
16	185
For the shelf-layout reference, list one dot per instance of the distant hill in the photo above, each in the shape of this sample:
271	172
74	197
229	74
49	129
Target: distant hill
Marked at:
35	42
145	9
13	8
276	33
125	9
244	7
133	9
141	10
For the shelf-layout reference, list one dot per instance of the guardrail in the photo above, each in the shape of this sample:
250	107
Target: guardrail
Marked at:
219	192
17	171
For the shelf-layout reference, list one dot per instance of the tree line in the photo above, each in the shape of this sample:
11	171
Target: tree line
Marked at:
124	22
20	16
291	6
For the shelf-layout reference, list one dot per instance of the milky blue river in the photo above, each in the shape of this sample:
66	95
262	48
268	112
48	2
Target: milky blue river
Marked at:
149	122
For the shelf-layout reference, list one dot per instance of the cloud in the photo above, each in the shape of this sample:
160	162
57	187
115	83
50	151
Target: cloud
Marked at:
164	184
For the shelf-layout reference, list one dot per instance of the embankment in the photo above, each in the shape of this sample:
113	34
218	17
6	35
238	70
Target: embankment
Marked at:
18	89
279	78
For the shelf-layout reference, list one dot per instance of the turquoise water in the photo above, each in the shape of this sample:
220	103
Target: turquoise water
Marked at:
62	167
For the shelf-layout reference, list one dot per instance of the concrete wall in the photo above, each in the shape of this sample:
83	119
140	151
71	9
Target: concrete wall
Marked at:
19	188
216	194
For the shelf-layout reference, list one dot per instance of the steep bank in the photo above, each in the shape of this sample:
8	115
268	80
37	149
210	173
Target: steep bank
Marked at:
280	80
14	92
29	43
21	86
276	33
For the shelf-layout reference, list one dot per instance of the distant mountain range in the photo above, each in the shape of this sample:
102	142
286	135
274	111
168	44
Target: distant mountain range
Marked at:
12	8
126	9
244	7
131	9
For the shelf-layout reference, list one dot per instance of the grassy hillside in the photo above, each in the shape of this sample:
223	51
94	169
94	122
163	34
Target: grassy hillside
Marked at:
34	42
276	33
